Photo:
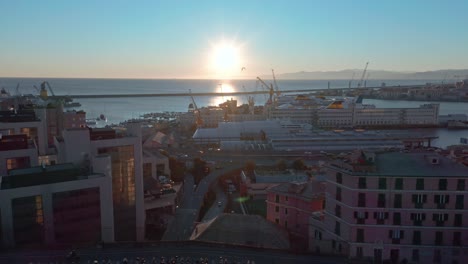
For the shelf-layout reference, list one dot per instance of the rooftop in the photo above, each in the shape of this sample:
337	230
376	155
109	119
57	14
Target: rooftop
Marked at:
43	175
305	190
249	230
413	164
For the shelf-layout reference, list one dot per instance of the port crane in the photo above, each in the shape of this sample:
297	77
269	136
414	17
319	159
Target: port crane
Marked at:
196	111
270	100
363	76
276	84
43	85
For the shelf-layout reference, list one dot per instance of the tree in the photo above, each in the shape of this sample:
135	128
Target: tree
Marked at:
198	169
177	169
250	166
282	165
298	164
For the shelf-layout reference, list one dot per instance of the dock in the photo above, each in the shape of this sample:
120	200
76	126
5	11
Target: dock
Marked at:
78	96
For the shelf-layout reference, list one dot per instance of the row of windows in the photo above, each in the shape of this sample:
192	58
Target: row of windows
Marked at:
397	235
439	218
417	199
382	184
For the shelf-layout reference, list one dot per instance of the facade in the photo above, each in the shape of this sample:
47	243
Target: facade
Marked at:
394	206
73	119
17	152
290	205
25	122
56	205
80	145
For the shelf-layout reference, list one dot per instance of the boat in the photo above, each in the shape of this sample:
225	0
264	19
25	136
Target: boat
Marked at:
90	122
72	104
457	125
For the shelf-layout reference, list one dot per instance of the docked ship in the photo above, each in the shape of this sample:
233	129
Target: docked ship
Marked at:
457	125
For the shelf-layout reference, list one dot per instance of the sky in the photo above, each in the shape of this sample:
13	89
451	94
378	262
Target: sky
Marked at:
184	39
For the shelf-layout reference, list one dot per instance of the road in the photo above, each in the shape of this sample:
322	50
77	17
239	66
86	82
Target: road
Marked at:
187	213
218	206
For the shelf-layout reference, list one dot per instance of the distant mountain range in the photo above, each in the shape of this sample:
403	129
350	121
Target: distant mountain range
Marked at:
448	75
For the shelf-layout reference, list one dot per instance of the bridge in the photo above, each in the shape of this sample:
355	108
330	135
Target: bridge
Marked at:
78	96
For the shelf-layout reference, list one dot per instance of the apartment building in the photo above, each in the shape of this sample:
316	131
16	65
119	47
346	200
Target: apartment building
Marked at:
394	206
290	205
80	145
56	205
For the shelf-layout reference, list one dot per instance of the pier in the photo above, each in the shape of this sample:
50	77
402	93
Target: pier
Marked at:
78	96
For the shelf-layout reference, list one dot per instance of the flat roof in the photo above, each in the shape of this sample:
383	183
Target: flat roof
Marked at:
43	175
416	164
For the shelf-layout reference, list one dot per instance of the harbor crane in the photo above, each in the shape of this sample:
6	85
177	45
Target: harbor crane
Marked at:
276	84
270	100
361	82
198	118
43	85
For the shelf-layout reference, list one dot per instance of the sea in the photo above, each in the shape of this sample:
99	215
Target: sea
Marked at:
120	109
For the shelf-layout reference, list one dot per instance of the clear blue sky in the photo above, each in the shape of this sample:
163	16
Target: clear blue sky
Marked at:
174	39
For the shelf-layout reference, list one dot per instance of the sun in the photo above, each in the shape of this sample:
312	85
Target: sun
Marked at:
225	59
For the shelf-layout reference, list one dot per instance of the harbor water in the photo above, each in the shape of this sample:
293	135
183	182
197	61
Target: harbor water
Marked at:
120	109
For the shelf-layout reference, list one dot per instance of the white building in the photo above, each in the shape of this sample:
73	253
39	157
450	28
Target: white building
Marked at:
57	205
80	146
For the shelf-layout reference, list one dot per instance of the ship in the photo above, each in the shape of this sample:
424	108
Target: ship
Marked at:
72	104
457	125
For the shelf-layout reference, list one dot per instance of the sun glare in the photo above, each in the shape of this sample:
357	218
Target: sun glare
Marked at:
226	59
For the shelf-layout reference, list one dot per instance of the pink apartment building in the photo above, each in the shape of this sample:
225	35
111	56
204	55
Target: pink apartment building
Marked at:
290	205
394	206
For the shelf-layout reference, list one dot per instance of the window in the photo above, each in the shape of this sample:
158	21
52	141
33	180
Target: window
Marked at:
360	235
398	184
286	224
439	238
380	217
337	228
457	221
276	208
277	198
418	218
338	211
457	239
440	219
382	183
285	211
415	255
442	184
359	252
318	235
396	235
416	237
381	200
441	200
276	220
338	193
460	185
396	218
361	200
286	198
419	184
362	183
339	178
361	217
397	201
459	202
419	200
